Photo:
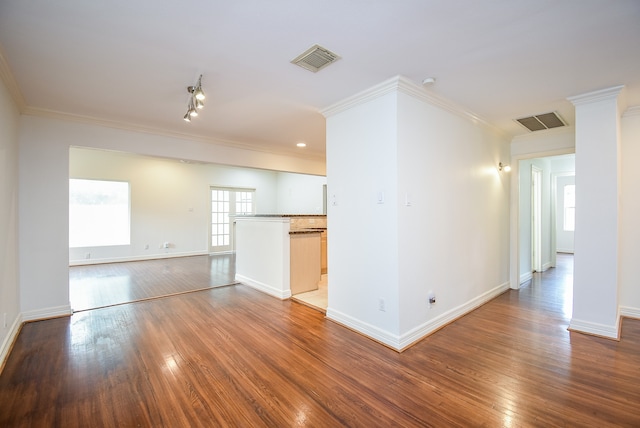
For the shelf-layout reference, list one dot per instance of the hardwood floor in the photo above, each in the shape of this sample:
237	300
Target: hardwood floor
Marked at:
232	356
97	286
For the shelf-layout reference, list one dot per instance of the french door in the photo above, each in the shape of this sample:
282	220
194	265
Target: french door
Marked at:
226	203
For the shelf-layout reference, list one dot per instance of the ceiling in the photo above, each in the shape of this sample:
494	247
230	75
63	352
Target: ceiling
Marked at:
129	62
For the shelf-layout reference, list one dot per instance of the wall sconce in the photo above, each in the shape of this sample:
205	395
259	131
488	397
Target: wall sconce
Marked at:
504	167
196	100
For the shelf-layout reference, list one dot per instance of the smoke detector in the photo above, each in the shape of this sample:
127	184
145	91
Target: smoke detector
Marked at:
542	121
315	58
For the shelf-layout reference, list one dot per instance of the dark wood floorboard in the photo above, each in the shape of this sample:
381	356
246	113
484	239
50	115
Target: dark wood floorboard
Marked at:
97	286
232	356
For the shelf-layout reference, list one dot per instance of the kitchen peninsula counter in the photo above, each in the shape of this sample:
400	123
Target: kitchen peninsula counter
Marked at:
279	254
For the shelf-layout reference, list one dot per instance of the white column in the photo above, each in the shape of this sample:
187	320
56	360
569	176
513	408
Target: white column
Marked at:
595	285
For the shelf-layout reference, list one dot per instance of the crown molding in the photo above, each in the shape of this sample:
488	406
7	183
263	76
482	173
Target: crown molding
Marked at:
632	111
595	96
408	87
90	120
10	82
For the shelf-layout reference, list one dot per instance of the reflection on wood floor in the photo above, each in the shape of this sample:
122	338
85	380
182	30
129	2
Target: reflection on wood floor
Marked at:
101	285
232	356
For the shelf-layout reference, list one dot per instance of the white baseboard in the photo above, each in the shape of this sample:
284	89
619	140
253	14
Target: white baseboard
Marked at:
84	262
265	288
46	313
626	311
416	334
564	250
375	333
525	277
596	329
7	343
405	340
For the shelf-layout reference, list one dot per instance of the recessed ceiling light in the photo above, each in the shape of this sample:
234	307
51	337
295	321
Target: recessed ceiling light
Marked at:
301	144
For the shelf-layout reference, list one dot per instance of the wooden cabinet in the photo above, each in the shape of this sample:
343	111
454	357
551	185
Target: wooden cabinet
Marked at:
323	252
305	262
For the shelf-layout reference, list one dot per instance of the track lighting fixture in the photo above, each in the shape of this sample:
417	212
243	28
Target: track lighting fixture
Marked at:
195	100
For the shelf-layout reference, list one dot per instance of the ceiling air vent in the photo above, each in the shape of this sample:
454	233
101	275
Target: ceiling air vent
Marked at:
315	58
542	121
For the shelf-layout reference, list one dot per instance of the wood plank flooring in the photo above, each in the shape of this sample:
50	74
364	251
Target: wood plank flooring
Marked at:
97	286
232	356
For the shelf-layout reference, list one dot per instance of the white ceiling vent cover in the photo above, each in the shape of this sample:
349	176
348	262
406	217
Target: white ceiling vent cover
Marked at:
315	58
542	121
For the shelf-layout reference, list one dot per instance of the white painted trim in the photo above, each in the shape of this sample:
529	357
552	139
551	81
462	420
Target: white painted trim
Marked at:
46	313
564	250
265	288
595	96
9	340
240	145
632	111
371	331
6	76
405	340
408	87
416	334
596	329
527	276
137	258
626	311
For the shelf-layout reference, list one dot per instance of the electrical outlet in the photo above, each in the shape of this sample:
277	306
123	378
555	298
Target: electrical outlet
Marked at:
4	320
381	305
87	256
432	298
146	247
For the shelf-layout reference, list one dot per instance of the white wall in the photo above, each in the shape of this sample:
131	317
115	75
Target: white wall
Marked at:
454	237
300	193
44	194
9	287
630	215
362	249
389	146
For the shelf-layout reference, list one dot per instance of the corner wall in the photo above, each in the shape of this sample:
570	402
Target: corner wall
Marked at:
9	288
416	203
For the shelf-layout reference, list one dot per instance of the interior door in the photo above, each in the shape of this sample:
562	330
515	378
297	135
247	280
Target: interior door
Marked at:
226	203
536	218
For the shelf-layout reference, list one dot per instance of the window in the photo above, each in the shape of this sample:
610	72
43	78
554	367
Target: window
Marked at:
569	223
98	213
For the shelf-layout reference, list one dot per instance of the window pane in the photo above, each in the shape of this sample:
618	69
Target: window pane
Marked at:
98	213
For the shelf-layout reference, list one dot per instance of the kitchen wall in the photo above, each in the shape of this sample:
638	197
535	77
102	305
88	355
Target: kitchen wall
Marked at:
9	287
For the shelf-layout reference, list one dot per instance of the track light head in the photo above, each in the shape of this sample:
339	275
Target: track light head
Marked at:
195	100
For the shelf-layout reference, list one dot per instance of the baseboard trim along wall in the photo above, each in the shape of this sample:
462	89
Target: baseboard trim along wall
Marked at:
46	313
431	326
265	288
382	336
9	340
85	262
404	341
525	277
596	329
